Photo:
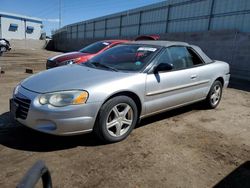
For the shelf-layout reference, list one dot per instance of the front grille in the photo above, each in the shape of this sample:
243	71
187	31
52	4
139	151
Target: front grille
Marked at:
50	64
23	107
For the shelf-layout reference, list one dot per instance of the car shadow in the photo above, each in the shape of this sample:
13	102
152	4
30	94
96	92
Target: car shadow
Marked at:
171	113
17	136
240	177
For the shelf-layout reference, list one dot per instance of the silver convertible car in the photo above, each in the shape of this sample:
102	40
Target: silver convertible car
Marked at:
112	91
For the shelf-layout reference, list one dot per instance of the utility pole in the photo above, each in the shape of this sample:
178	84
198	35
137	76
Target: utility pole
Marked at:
60	13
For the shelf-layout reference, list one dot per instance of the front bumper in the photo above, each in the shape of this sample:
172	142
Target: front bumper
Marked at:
69	120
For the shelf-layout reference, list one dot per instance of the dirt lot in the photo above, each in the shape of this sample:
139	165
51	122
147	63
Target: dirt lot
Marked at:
188	147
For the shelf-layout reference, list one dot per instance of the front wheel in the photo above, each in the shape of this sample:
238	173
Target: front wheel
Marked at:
116	119
214	95
3	49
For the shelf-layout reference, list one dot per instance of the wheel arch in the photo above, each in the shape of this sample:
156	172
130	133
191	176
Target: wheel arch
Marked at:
221	79
130	94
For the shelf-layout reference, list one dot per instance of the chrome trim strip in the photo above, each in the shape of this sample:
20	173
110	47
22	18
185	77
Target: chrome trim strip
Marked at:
177	88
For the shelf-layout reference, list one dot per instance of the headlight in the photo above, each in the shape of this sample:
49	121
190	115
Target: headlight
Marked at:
72	61
64	98
68	62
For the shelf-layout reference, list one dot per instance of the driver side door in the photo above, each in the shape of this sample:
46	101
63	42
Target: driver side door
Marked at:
170	89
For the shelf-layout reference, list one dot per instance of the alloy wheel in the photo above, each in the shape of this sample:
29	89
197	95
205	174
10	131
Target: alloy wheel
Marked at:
216	95
119	120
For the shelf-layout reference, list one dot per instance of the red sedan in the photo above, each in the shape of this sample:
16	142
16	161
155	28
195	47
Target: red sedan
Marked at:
82	55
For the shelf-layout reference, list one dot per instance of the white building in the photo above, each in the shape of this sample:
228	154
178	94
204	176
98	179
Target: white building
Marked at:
14	26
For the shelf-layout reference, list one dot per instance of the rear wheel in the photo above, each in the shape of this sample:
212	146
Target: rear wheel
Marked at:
116	119
214	95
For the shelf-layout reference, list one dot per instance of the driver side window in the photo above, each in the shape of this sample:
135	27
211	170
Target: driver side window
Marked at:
165	57
180	57
177	56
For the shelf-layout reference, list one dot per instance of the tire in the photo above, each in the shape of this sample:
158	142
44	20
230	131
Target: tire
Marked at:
214	96
116	119
3	49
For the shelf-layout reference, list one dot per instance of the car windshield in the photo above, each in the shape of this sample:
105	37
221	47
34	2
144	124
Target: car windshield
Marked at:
95	47
126	58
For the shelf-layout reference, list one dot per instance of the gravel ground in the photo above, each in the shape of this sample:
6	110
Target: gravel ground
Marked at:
187	147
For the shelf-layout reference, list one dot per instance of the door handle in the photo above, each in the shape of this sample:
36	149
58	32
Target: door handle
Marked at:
193	76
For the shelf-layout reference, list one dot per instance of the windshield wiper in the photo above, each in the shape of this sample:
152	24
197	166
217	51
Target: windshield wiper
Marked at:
97	64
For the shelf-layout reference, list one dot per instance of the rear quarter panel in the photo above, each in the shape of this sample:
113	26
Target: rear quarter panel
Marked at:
213	71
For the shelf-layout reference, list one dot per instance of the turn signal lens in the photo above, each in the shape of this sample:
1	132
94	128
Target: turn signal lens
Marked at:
82	98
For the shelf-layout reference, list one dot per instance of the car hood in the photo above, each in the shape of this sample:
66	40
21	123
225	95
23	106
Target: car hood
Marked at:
69	56
69	78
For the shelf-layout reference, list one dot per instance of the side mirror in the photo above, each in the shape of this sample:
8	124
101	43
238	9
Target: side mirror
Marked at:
164	67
